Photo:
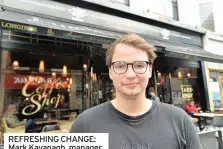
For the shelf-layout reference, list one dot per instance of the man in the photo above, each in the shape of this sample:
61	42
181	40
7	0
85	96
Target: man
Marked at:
152	94
190	108
131	120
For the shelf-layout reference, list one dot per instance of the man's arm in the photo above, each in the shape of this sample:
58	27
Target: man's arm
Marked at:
78	125
191	135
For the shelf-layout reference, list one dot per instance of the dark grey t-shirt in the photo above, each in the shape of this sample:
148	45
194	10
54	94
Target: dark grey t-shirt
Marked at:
163	127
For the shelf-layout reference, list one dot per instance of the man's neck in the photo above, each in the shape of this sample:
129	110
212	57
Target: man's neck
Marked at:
132	106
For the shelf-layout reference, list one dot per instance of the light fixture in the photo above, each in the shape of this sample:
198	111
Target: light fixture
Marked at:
188	75
159	74
179	74
95	77
85	67
86	85
64	71
15	64
158	83
170	76
70	81
41	66
53	74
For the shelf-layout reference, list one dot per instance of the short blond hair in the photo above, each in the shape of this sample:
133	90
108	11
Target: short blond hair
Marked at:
135	41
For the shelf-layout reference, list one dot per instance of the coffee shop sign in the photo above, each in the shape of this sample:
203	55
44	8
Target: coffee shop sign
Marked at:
41	96
24	79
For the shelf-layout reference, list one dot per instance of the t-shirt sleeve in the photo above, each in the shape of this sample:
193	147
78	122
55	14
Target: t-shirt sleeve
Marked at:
78	125
191	135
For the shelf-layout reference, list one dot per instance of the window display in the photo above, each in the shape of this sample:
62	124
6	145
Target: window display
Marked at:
216	86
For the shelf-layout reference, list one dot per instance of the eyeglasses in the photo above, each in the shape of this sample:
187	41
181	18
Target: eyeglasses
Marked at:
138	67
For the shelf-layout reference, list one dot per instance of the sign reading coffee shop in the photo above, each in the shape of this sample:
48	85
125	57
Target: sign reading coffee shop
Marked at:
42	95
187	92
38	90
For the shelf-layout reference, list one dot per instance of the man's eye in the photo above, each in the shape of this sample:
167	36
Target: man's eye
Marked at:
120	66
139	66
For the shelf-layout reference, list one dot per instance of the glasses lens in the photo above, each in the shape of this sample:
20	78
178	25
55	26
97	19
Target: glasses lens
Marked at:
120	67
140	67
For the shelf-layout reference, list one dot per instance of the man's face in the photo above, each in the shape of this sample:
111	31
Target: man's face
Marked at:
130	83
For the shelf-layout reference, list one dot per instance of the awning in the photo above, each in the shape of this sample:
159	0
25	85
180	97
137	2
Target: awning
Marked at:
49	27
37	25
188	52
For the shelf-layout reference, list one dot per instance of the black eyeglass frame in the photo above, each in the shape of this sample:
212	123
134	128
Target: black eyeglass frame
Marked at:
147	62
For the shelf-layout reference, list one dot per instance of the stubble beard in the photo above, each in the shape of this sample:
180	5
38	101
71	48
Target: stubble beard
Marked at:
131	94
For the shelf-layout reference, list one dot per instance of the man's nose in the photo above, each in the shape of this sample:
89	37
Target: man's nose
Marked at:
130	72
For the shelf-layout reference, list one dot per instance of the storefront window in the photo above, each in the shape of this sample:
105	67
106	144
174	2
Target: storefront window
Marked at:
177	85
216	86
40	86
50	80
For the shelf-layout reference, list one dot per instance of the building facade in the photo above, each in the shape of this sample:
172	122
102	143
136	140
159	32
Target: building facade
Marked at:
210	17
175	16
214	71
53	64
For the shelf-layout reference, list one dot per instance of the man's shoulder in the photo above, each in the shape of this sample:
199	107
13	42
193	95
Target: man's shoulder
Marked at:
98	111
171	110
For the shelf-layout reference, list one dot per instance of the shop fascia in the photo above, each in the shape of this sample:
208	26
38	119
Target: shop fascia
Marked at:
64	11
80	15
214	43
80	29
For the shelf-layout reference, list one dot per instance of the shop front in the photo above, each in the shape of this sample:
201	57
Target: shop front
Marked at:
48	78
214	71
178	81
53	64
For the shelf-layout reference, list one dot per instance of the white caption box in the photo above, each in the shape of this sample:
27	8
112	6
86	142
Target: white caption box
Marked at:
56	141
